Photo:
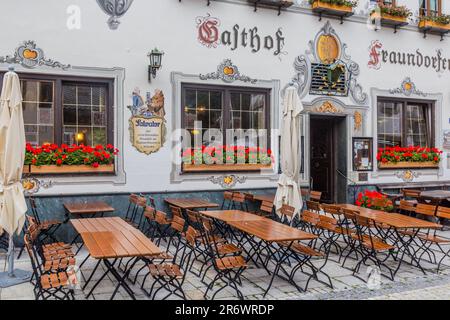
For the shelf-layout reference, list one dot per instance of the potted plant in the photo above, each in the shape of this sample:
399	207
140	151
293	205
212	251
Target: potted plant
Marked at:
391	14
54	159
409	157
226	159
374	200
439	23
334	7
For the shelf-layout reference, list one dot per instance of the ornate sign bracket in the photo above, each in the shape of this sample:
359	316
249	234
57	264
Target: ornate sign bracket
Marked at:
29	56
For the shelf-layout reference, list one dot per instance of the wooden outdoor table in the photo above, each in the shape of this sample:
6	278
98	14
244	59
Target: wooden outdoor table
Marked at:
112	239
271	231
89	208
395	220
231	215
190	203
436	194
264	197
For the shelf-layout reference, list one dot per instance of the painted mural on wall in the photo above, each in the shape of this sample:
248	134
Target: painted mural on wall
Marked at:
30	56
147	122
115	9
379	55
211	34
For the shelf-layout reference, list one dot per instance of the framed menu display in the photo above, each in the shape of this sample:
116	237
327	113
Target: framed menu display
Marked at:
362	154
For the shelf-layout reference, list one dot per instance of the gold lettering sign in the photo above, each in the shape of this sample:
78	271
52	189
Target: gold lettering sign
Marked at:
327	49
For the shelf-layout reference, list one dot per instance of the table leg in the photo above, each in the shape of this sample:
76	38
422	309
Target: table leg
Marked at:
120	279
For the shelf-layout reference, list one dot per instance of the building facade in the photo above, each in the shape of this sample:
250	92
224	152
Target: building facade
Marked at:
364	85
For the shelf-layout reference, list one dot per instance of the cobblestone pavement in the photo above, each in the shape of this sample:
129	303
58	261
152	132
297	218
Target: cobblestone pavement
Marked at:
410	283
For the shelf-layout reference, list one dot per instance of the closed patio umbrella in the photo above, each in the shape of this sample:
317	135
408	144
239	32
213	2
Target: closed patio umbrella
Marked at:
12	154
288	191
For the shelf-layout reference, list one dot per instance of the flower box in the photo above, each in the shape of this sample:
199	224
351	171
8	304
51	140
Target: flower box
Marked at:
67	169
199	168
321	7
408	165
427	25
389	20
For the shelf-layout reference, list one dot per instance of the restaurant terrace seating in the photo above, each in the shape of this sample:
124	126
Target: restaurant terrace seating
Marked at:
315	195
227	200
47	227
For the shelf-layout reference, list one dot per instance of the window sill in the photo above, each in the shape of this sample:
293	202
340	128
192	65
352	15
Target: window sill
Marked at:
199	168
68	169
408	165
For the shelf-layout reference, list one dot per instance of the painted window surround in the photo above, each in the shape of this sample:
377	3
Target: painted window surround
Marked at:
436	98
116	74
178	78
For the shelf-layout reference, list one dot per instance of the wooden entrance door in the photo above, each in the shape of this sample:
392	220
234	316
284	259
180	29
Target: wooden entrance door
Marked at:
322	155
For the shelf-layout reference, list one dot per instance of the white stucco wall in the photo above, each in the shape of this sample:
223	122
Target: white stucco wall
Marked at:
170	25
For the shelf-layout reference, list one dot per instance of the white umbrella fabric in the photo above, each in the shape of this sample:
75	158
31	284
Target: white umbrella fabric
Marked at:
288	190
12	154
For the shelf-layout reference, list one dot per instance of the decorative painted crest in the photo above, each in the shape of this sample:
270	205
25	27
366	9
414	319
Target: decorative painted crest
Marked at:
327	50
30	56
408	88
358	119
32	185
328	107
115	9
227	72
147	123
228	181
407	175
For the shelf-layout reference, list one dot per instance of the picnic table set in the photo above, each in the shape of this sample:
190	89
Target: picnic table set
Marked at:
225	239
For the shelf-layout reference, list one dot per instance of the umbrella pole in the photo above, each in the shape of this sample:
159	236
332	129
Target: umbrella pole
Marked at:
13	277
11	257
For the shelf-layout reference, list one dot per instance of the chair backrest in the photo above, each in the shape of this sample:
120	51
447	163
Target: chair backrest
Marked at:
28	243
327	222
349	213
287	211
228	195
34	209
304	192
310	217
176	211
363	221
33	230
266	206
411	193
178	224
238	197
149	213
443	212
315	195
161	217
191	235
426	209
331	209
152	202
406	205
379	202
193	218
313	206
249	197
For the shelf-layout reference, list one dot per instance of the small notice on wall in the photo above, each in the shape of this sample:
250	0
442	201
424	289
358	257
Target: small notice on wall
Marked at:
147	123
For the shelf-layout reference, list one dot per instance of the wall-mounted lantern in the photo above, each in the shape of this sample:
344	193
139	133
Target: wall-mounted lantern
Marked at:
155	63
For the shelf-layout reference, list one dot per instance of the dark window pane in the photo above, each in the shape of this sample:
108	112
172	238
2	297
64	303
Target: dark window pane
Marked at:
69	135
46	92
84	95
45	134
216	100
84	135
202	100
45	114
99	136
98	96
236	101
29	90
84	115
99	116
389	124
69	94
70	115
30	113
